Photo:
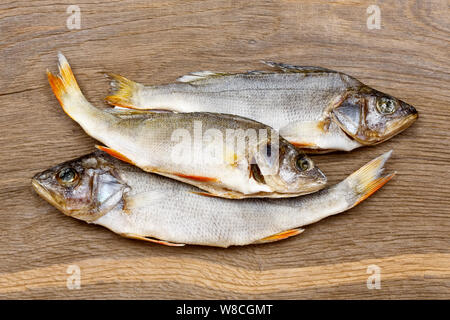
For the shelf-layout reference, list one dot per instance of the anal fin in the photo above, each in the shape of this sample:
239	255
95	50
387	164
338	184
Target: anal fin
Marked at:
280	236
224	195
138	237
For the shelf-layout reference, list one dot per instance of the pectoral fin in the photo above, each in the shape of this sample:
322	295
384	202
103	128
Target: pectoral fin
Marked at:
280	236
138	237
144	199
256	174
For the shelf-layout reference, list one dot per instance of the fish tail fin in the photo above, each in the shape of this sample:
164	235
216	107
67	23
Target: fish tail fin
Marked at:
368	179
124	91
65	87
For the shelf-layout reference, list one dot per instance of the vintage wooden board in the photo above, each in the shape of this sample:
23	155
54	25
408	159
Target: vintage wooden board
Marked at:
403	229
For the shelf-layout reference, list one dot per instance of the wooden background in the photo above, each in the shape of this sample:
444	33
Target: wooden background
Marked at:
404	228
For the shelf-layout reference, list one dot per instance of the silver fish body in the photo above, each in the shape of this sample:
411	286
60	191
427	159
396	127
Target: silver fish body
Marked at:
227	155
102	190
298	101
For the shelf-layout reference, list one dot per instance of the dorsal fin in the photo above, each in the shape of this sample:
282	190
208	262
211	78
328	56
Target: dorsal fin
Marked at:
200	75
144	199
299	69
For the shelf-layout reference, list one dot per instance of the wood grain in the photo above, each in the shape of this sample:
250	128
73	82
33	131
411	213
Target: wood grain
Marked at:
404	228
232	279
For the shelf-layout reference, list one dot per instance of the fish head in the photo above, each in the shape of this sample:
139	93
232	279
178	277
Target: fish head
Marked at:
286	169
85	188
370	116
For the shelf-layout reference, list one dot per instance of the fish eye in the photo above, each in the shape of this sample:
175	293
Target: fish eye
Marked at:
386	106
67	176
302	163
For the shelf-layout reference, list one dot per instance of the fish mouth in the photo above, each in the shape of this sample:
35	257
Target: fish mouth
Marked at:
399	126
319	185
46	194
311	187
319	179
293	194
394	129
283	189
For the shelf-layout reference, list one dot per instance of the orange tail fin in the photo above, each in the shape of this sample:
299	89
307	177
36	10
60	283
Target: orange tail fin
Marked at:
368	179
64	86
